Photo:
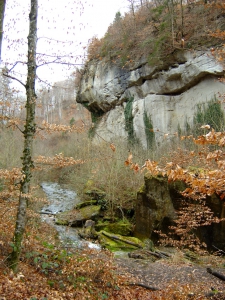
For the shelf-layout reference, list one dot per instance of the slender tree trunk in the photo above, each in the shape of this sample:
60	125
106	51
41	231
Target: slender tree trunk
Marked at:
2	14
170	5
182	18
29	131
132	7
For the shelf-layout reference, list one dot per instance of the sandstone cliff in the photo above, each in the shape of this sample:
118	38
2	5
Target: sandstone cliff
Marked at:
164	98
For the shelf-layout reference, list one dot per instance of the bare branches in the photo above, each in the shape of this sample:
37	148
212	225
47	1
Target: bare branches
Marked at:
59	56
15	125
14	78
16	63
58	161
59	62
58	41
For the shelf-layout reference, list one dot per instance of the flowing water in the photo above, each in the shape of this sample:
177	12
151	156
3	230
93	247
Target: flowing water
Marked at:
62	199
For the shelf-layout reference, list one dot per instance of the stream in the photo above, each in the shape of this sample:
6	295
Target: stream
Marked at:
62	199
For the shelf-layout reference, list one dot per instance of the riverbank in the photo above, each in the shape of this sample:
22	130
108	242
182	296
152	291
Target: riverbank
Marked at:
49	270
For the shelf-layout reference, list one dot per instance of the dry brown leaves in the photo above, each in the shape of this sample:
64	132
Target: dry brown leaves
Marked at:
206	182
58	161
50	128
70	273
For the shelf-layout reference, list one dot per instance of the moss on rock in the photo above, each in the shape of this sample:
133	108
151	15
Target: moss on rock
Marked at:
77	217
86	203
95	193
115	242
92	192
121	228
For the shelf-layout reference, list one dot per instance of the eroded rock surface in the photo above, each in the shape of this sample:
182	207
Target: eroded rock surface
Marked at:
153	206
156	205
169	96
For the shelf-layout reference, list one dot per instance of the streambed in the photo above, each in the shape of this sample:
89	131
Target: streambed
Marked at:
62	199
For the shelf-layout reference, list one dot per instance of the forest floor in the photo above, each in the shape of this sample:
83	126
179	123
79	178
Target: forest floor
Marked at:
179	274
50	271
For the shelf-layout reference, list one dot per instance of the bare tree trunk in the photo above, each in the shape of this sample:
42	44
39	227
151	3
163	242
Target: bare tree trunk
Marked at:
182	18
170	5
2	14
132	7
29	131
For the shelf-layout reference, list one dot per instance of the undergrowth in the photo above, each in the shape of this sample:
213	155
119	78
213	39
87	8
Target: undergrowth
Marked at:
48	270
155	29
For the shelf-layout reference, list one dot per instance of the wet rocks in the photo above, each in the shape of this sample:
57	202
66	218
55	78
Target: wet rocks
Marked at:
77	217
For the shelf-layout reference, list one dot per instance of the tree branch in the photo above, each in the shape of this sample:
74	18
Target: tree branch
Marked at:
216	274
51	39
14	78
17	62
16	127
59	62
152	288
46	63
219	250
60	56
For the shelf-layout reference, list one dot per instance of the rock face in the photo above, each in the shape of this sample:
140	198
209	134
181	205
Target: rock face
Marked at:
168	96
214	235
155	210
153	207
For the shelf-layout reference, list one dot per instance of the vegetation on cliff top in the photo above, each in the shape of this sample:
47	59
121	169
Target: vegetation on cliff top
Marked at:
156	29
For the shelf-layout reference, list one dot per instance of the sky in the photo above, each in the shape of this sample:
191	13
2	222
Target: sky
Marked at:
64	29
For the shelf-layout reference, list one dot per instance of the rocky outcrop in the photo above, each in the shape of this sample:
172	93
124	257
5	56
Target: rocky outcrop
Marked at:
156	206
77	217
169	96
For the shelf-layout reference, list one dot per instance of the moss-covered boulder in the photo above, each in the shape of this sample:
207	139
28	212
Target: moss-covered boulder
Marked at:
92	192
86	203
77	217
122	228
88	231
95	193
115	242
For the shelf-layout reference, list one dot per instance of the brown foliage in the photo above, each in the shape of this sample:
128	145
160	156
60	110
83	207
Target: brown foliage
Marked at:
202	181
154	31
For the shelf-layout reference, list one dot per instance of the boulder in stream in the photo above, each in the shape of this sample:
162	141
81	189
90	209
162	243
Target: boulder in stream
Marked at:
77	217
88	231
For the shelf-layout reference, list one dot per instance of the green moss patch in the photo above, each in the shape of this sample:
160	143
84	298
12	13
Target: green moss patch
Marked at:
115	242
77	217
124	229
86	203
